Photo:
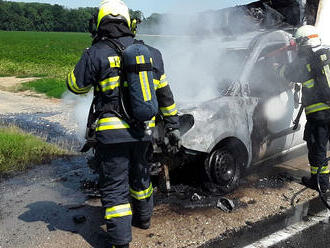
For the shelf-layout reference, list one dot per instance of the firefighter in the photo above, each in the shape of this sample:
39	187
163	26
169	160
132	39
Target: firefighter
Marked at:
311	68
121	149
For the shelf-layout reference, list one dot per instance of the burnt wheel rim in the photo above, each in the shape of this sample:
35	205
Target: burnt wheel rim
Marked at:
224	167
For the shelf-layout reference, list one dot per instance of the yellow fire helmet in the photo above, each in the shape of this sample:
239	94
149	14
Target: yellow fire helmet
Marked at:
116	9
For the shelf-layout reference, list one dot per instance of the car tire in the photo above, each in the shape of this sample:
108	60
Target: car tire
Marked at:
224	169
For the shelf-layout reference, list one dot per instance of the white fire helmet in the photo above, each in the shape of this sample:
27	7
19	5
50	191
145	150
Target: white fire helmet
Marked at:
114	8
307	35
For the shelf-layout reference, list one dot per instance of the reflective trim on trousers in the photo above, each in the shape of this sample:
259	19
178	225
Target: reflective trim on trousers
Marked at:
141	195
118	211
324	170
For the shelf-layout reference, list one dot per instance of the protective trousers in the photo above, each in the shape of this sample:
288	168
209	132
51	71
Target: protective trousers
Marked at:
317	136
124	174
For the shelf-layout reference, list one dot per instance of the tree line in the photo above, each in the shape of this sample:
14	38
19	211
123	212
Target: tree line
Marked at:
19	16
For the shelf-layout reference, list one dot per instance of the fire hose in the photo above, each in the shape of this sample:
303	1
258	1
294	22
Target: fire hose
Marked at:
322	195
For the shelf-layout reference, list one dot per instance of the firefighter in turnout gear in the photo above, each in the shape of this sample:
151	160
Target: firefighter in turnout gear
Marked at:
311	67
122	148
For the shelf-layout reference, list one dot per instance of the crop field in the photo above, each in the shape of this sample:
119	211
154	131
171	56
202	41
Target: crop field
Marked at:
47	55
40	54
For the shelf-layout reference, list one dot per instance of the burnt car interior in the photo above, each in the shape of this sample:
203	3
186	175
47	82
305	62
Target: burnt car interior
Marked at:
265	83
264	80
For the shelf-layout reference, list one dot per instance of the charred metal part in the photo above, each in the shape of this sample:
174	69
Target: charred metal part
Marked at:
90	188
225	204
167	177
78	219
164	178
311	11
155	168
186	121
196	197
254	16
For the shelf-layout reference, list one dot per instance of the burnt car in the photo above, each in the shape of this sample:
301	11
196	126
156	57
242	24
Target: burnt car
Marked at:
252	118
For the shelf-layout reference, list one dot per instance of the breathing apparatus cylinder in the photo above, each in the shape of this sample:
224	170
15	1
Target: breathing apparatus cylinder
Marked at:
137	63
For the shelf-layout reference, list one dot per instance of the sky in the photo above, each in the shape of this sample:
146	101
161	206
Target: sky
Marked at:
153	6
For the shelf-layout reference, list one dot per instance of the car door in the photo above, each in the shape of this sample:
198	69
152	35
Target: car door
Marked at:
273	118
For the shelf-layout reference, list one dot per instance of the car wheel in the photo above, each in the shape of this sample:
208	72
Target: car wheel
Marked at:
224	169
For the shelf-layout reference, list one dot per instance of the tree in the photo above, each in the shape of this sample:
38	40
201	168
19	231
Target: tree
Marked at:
47	17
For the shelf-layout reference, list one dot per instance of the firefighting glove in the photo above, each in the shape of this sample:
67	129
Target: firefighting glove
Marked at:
173	141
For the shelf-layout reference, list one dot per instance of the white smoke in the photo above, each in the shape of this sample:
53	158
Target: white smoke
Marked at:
277	106
323	20
195	55
193	67
79	106
198	64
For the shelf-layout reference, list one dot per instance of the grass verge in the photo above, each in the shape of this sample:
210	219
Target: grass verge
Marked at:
50	86
19	150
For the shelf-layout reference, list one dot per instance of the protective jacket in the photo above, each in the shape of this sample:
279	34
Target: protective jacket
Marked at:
99	67
314	76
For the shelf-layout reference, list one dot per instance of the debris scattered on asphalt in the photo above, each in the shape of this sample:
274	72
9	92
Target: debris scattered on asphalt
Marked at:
247	200
273	182
60	179
155	169
196	197
89	186
150	235
78	219
75	206
249	223
225	204
286	198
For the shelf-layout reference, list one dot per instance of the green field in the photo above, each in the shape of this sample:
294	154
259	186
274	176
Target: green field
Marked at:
19	150
40	54
48	55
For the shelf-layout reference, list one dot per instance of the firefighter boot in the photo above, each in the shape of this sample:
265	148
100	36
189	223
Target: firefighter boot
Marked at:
312	182
142	224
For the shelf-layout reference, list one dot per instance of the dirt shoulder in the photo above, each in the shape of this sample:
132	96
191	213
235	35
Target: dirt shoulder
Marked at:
23	101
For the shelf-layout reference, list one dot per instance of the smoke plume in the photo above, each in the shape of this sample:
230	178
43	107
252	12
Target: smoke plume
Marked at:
323	20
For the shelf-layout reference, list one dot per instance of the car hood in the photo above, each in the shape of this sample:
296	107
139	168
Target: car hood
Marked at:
218	119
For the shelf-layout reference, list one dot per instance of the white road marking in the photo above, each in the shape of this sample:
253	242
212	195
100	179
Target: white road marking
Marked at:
290	231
